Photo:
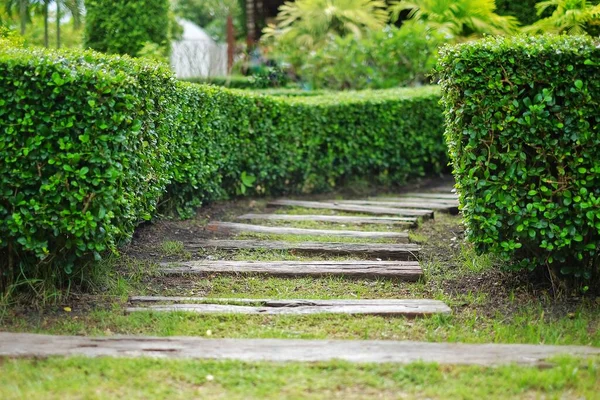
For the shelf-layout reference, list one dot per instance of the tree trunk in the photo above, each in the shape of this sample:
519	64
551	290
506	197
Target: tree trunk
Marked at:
46	39
230	43
23	14
250	23
58	24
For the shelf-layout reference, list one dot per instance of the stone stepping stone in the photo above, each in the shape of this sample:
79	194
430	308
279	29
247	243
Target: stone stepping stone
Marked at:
232	227
395	199
385	307
403	270
426	204
342	219
401	251
353	208
432	195
27	345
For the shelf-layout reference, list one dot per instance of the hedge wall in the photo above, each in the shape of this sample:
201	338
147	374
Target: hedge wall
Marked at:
523	128
232	82
91	144
126	26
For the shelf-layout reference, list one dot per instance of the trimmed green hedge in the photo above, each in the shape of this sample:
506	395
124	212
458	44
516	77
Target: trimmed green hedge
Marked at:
126	26
232	82
523	128
93	144
83	153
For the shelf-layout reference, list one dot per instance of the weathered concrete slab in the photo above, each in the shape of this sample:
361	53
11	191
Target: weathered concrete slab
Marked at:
232	227
353	208
342	219
404	270
401	251
386	307
281	350
404	204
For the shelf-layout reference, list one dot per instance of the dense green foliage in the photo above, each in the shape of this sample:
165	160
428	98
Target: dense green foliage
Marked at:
574	17
125	27
523	10
83	153
458	18
94	143
523	130
386	58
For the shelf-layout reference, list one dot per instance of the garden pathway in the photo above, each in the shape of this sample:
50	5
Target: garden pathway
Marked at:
421	205
400	262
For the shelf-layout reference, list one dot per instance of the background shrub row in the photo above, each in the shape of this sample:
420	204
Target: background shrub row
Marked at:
523	128
90	145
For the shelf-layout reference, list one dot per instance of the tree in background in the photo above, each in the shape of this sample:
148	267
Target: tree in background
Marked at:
309	22
458	18
127	26
28	10
22	8
576	17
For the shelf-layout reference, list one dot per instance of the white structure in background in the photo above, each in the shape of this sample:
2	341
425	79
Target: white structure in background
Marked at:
197	54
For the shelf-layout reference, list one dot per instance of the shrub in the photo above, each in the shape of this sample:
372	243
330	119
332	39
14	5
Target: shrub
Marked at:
523	129
524	10
125	26
83	154
383	59
94	143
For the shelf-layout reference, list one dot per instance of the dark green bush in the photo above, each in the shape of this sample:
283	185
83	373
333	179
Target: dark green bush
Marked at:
90	145
82	150
524	10
302	144
126	26
523	128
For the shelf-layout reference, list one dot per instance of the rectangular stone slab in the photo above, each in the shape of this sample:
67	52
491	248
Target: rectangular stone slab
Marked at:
402	204
404	270
353	208
379	200
431	195
232	227
284	350
401	251
342	219
405	308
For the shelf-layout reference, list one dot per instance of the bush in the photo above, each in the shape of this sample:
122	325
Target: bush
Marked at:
96	142
84	155
523	129
386	58
125	26
524	10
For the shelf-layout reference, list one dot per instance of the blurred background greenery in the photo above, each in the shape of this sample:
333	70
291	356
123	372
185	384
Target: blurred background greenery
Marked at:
311	44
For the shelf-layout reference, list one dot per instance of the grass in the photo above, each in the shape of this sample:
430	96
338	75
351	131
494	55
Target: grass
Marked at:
527	325
174	248
106	378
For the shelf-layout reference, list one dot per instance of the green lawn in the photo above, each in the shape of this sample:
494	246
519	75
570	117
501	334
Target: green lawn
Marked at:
105	378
